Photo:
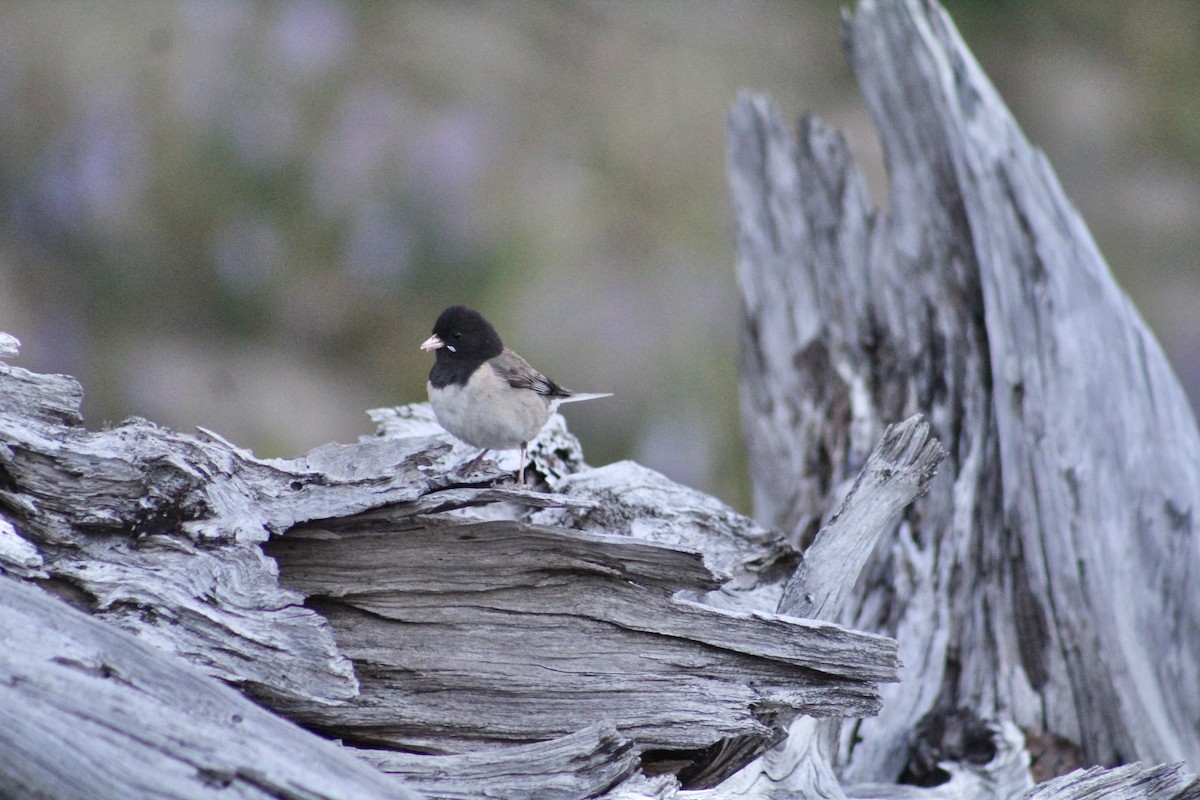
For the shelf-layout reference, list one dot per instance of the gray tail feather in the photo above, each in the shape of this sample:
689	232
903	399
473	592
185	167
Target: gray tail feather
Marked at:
575	398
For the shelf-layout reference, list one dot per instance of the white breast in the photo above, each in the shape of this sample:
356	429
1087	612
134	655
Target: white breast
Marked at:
488	413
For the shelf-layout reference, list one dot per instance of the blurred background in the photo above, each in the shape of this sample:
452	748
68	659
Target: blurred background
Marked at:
246	216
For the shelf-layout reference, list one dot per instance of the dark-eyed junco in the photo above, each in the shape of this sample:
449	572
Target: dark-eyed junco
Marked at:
484	393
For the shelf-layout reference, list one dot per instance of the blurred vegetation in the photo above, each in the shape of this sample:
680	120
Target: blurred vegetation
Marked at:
246	215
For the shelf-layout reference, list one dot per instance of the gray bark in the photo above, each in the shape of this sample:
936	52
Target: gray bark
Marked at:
896	473
1044	578
1166	781
89	711
470	634
547	644
582	764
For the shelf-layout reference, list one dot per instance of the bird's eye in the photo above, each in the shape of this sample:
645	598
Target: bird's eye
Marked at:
456	335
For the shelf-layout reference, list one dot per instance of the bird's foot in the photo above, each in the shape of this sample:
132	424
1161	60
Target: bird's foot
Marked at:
473	464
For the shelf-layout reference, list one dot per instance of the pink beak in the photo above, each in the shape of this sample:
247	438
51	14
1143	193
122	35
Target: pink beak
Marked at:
432	343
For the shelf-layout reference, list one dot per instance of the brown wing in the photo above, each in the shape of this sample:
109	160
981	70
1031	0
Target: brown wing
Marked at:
516	370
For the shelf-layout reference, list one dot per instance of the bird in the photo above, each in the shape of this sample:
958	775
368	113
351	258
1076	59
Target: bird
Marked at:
484	393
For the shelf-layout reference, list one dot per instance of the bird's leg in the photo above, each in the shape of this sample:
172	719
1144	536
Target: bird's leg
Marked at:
521	471
469	468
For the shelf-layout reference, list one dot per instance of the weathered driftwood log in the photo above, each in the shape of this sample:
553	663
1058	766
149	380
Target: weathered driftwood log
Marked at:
1163	782
582	764
1044	578
896	473
548	644
89	711
469	634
